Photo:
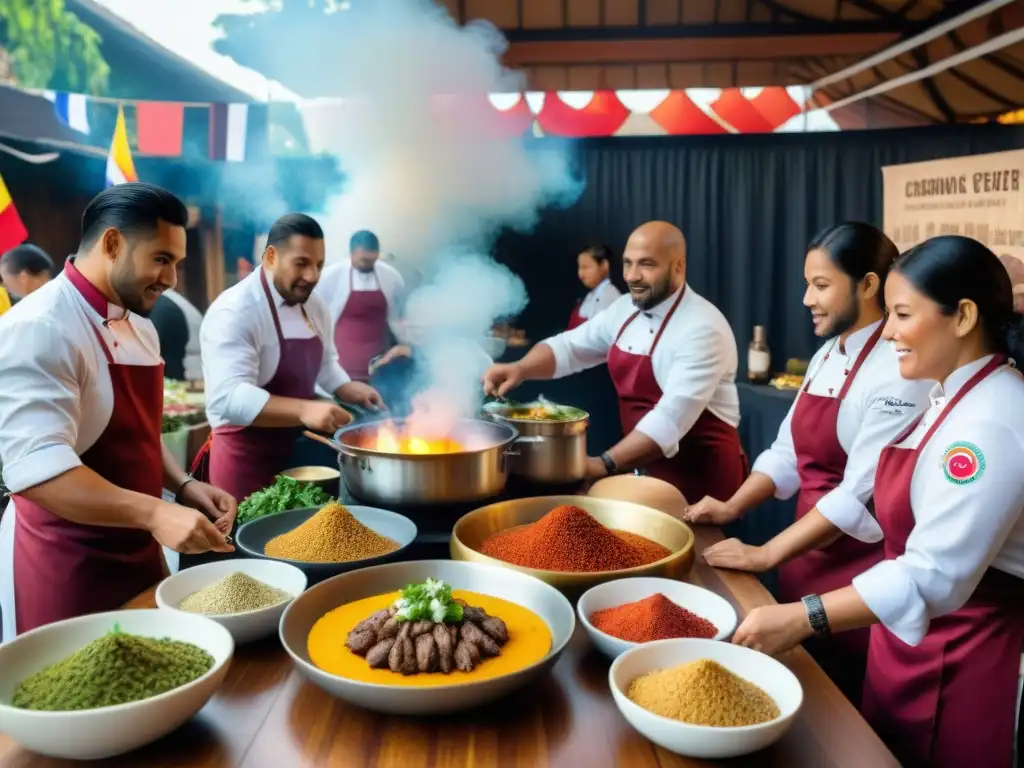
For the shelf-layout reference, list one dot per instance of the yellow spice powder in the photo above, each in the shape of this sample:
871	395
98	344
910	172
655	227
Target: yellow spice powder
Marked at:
703	692
332	535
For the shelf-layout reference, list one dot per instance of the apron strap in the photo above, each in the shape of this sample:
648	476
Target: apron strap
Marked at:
661	329
273	310
995	363
872	342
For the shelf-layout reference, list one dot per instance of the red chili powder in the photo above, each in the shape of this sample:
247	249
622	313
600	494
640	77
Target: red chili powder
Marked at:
653	618
568	539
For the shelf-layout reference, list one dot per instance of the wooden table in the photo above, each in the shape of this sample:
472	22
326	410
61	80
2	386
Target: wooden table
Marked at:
267	716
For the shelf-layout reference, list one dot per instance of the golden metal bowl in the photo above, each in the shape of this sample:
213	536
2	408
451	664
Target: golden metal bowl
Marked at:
326	479
474	528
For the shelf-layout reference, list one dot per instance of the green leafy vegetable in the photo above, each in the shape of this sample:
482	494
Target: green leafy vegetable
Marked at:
286	493
430	600
171	423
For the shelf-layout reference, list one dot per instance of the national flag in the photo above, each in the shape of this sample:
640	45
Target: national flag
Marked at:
238	132
12	230
72	109
161	127
120	166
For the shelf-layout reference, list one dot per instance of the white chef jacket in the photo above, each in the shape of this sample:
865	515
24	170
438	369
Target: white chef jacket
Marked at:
56	396
334	287
599	299
694	362
959	530
241	351
878	406
193	348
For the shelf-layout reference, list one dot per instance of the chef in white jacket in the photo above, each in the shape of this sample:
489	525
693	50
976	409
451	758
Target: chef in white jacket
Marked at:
81	402
593	267
944	606
852	404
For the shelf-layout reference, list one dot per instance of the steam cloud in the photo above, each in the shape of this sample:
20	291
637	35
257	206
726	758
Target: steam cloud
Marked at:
430	170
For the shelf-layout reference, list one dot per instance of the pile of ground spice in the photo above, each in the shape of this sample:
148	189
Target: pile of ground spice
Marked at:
568	539
703	692
332	535
118	668
235	593
653	618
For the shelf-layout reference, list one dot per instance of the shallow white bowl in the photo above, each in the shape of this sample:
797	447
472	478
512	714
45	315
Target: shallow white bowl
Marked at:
698	600
543	599
99	733
702	741
244	627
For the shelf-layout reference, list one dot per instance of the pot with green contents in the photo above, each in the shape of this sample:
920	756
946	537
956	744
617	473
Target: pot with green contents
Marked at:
552	444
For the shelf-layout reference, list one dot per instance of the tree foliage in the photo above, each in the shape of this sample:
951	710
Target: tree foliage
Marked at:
50	47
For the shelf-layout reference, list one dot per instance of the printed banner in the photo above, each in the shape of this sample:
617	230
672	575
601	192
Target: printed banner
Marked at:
979	196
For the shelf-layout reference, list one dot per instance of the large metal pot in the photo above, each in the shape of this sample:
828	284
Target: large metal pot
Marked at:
401	479
549	452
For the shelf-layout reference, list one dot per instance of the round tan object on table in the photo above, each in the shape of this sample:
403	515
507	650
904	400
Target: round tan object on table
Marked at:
648	491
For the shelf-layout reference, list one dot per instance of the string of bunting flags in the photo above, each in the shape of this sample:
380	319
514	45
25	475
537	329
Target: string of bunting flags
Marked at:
239	132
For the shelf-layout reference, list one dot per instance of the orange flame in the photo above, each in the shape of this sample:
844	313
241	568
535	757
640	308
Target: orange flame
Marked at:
390	440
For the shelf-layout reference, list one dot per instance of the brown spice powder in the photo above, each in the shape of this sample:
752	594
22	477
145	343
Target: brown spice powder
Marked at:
703	692
332	535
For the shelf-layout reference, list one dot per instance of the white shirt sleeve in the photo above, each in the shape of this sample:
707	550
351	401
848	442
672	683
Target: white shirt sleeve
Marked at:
331	375
958	531
231	366
585	346
779	461
698	366
40	403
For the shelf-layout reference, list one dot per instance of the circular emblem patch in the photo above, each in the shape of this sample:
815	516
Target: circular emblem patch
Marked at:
963	463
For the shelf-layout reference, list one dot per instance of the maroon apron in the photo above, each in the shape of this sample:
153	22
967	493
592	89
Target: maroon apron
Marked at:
821	462
576	319
950	701
361	332
710	461
246	459
64	569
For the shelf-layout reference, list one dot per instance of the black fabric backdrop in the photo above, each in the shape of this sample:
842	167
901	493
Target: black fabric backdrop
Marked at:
747	204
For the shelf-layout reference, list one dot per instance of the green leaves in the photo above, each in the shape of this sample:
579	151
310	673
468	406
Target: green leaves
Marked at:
283	495
50	47
430	600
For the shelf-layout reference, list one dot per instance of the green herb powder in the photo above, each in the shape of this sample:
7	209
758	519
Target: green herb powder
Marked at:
116	669
236	593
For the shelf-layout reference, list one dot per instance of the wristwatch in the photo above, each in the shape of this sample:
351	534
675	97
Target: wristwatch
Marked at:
816	615
609	463
188	479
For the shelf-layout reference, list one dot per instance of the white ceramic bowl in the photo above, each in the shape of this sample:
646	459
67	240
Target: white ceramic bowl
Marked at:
702	741
544	600
698	600
99	733
244	627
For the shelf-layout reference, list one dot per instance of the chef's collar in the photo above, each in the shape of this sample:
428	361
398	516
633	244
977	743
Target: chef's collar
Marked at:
855	341
92	295
956	380
278	299
660	310
600	286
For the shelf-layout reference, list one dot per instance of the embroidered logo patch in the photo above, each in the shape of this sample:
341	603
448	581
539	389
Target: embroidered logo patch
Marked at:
963	463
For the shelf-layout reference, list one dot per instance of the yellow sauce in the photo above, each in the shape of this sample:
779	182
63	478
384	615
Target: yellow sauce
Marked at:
529	641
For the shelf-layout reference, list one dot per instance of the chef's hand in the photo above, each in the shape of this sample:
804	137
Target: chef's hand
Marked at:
709	511
774	628
186	530
218	505
324	416
596	468
737	556
501	378
399	350
357	393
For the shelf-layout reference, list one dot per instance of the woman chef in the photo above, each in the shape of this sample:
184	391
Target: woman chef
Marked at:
594	267
672	358
853	403
81	403
945	605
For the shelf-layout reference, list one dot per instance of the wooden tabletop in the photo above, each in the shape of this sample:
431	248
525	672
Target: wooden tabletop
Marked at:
268	716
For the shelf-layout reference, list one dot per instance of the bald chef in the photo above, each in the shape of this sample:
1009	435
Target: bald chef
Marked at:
363	295
81	405
672	357
266	344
